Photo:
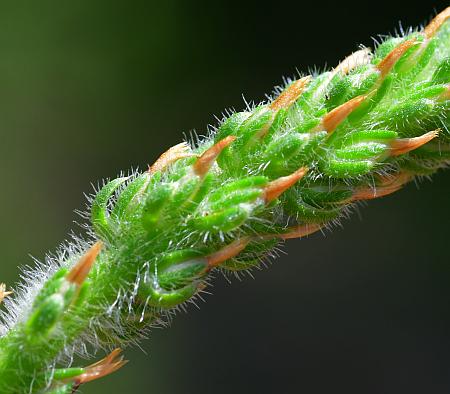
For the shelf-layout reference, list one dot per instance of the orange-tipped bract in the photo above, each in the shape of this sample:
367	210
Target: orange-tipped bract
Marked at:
81	269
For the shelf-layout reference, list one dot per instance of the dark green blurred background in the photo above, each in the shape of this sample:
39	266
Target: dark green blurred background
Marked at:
90	88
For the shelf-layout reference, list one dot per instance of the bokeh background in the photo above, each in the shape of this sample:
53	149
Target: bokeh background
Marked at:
88	88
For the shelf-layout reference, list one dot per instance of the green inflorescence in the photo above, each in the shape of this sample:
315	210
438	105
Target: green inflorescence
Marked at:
280	170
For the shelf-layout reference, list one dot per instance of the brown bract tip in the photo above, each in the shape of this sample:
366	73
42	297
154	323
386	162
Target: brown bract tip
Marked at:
388	185
227	252
3	292
290	94
81	269
171	155
405	145
356	59
301	231
392	57
431	29
106	366
335	117
207	158
275	188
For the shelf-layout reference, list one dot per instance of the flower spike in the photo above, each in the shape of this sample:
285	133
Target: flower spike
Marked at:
223	203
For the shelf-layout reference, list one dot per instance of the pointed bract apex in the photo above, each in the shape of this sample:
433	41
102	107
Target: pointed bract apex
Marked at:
335	117
388	185
405	145
106	366
356	59
3	292
81	269
301	231
431	29
275	188
207	158
170	156
446	94
290	94
392	57
227	252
